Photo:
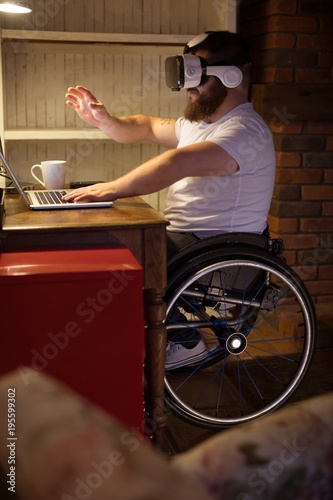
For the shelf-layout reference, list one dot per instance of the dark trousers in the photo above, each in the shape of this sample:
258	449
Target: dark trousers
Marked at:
177	241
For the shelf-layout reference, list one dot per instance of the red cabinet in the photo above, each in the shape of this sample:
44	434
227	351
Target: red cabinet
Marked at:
78	315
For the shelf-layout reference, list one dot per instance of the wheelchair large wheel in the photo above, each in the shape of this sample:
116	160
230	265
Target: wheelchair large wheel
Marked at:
258	322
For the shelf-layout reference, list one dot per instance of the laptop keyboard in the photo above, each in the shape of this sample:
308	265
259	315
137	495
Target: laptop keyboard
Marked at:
51	197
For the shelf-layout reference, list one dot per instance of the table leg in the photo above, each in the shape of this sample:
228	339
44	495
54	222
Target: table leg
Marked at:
155	361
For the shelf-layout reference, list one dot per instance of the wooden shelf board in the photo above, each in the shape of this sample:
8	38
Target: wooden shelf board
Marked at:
123	38
52	134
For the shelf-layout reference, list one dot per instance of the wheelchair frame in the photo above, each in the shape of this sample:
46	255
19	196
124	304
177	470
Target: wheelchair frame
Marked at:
258	322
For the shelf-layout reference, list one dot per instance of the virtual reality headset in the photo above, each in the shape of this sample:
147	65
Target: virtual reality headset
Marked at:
188	70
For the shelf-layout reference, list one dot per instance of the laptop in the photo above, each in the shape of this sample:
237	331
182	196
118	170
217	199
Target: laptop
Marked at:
48	199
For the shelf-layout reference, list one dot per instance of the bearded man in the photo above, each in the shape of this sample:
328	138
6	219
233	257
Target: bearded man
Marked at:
220	165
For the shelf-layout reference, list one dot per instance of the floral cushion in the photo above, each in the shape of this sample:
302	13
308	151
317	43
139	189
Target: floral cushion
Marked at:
68	449
287	455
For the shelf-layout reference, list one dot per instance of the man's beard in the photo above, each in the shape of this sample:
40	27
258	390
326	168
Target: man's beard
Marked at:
206	104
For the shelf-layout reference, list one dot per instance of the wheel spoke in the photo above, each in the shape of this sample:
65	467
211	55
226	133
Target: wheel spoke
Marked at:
256	360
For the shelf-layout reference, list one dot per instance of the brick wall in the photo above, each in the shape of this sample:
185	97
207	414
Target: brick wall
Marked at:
292	46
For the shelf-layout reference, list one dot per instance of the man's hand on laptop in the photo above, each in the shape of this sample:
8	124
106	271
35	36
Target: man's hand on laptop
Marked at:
96	192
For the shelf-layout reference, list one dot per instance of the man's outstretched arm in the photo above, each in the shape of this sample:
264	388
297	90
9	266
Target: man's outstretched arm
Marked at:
127	129
202	159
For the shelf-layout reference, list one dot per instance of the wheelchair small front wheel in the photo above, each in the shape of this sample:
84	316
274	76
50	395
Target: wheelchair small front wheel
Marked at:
258	322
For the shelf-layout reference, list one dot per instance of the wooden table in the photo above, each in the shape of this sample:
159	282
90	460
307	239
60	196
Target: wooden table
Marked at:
130	222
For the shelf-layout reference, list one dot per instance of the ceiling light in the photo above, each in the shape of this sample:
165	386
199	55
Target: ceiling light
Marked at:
15	7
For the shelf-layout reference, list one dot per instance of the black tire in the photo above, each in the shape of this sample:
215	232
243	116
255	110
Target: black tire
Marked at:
259	324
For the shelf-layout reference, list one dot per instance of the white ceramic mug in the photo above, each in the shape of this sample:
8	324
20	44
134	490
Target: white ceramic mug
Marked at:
53	173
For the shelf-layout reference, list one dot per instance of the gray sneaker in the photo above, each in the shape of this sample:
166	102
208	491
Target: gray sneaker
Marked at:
177	355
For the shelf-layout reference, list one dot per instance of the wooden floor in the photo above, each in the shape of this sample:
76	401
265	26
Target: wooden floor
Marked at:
180	435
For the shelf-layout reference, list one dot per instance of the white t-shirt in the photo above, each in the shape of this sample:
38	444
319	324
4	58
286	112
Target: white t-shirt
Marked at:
218	204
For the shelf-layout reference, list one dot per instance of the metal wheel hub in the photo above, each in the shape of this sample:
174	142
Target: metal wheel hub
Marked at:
236	343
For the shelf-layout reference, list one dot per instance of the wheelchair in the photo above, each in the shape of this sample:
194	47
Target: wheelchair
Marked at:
258	322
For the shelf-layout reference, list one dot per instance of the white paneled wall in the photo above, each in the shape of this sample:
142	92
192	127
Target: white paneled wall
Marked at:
117	49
